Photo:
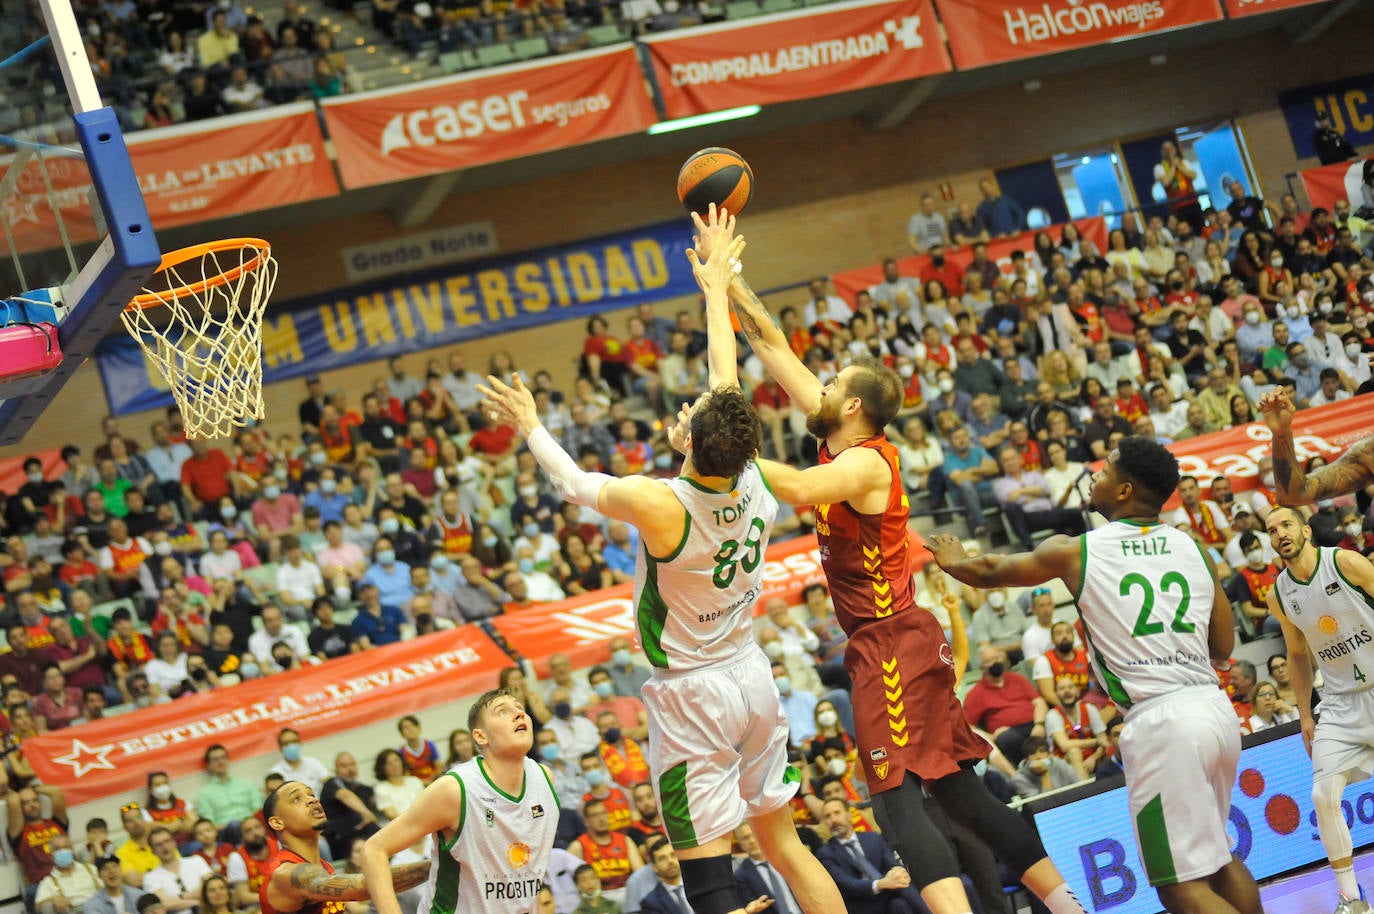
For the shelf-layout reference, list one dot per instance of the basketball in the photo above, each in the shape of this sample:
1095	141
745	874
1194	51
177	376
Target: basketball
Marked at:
715	175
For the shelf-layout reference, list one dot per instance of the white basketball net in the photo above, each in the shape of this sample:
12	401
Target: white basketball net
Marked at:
206	343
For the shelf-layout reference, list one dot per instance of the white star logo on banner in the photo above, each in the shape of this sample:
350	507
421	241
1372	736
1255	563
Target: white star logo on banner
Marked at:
84	758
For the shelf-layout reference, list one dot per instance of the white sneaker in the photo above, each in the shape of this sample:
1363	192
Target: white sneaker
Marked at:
1353	906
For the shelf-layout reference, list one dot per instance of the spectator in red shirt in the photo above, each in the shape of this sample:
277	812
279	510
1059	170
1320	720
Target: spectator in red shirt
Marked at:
79	658
949	274
774	407
641	358
30	832
205	479
175	616
1130	405
603	356
25	665
494	444
276	513
1005	704
128	649
59	703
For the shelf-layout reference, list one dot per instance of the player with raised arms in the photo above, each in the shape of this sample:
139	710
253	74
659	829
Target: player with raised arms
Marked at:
717	732
1155	621
1354	469
911	730
493	819
1324	599
298	881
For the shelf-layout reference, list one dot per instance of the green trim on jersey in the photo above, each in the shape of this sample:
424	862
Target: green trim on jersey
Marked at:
549	779
652	612
1115	688
1360	591
677	813
446	844
1082	569
492	784
764	479
1316	566
681	544
1155	851
447	884
734	481
1206	559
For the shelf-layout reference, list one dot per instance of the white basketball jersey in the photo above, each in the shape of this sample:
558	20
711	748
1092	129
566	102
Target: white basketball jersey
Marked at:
1146	603
695	606
498	858
1336	617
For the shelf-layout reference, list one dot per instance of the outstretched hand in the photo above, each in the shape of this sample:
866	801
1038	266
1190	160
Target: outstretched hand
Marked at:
511	403
715	273
1277	409
946	549
712	232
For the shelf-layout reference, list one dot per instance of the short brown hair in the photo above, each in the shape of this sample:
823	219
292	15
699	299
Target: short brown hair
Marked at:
479	707
879	390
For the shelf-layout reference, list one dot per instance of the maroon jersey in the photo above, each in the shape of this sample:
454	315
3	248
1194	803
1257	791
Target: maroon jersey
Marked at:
308	907
906	715
867	557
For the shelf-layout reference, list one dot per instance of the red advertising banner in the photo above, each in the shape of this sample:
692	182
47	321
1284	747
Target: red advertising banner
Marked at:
1237	8
105	757
187	174
848	283
1352	181
1235	452
983	32
492	116
796	55
581	626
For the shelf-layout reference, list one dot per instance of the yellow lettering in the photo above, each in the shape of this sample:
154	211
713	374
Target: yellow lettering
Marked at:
339	332
586	278
496	294
375	317
461	300
398	298
1333	107
279	341
649	261
527	280
430	305
620	279
560	285
1361	120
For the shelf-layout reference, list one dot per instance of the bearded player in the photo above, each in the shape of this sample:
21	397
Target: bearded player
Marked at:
911	730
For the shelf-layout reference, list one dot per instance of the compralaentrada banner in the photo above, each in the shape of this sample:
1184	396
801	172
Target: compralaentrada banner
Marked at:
375	321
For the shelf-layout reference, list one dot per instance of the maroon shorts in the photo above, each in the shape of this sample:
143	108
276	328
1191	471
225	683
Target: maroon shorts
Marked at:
906	714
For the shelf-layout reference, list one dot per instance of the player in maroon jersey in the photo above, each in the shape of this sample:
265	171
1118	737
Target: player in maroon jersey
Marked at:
910	728
298	881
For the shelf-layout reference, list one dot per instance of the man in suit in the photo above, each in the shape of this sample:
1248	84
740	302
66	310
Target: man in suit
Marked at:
756	878
669	896
865	868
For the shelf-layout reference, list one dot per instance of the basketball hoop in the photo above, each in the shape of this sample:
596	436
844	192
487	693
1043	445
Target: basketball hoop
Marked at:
209	352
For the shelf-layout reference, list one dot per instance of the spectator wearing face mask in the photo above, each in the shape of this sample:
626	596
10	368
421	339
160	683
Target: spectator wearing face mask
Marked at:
628	676
997	626
634	721
798	705
602	789
295	765
1040	771
575	733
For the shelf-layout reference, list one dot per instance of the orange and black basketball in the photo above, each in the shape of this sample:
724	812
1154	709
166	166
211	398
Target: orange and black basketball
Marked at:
715	175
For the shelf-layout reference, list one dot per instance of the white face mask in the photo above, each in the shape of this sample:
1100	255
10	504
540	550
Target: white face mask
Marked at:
1267	480
946	385
827	718
1352	350
1039	766
997	599
773	649
1354	528
1255	556
1252	317
1280	311
837	767
162	792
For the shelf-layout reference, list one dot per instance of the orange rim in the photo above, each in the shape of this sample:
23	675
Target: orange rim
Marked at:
262	251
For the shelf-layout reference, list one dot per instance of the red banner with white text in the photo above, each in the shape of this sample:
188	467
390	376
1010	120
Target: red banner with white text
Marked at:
1322	431
187	173
491	116
583	626
842	47
1237	8
983	32
1352	181
848	283
102	758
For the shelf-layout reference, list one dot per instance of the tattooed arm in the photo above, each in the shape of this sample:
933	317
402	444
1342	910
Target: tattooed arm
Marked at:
767	339
1354	469
293	884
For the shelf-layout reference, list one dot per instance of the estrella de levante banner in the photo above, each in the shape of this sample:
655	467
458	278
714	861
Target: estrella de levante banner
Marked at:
797	55
398	315
983	32
491	116
247	162
106	757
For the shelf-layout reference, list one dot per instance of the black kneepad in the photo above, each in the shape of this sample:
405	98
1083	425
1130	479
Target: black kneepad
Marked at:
710	885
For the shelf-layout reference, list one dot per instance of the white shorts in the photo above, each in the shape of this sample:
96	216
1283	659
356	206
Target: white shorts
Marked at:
1180	753
1344	741
717	748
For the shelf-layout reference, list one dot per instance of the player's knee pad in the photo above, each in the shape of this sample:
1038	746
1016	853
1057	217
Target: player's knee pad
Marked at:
710	885
1326	800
